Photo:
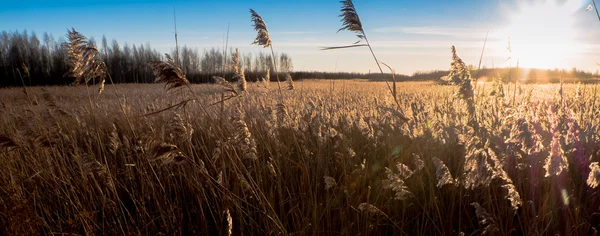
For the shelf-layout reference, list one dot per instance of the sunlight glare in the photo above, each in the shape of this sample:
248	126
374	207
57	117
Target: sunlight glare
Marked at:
542	33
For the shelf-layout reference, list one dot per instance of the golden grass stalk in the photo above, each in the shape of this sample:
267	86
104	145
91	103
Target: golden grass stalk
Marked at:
238	74
394	91
168	72
596	8
289	82
235	59
461	76
351	22
242	84
229	222
263	39
265	80
101	89
113	140
481	57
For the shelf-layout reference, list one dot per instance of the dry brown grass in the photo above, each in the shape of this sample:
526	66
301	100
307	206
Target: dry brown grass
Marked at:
329	162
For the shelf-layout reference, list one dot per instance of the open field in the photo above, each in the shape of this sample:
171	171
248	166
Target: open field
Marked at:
335	160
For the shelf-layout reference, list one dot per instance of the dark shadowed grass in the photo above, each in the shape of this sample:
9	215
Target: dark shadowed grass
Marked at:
335	163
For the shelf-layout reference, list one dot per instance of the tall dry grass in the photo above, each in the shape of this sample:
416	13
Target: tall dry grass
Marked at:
337	162
431	161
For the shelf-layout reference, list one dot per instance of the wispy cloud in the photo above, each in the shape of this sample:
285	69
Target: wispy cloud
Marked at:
298	32
436	30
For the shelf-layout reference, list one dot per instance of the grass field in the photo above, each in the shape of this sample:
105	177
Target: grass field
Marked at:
335	159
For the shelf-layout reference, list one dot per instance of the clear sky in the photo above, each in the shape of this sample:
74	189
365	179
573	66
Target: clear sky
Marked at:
408	35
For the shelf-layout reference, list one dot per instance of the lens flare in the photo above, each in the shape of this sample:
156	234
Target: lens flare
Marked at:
542	33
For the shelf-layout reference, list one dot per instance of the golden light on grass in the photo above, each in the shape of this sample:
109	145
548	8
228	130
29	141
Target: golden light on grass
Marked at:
543	33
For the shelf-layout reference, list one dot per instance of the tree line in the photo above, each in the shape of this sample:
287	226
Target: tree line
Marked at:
25	59
522	75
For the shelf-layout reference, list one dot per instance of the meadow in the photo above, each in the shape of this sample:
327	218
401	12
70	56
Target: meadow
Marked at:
336	158
451	156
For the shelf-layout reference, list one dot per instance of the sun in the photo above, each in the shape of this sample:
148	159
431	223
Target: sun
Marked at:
542	33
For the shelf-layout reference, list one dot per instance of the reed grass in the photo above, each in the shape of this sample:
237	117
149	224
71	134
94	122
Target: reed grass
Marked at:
334	163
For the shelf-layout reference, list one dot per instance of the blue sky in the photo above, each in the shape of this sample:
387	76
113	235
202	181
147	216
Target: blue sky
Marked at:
409	35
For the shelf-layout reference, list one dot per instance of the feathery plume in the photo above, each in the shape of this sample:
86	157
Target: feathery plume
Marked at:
594	178
168	154
229	222
235	60
370	209
460	75
289	81
96	170
243	136
271	167
403	171
101	89
168	72
442	172
220	178
350	19
178	129
485	219
557	160
83	59
396	184
478	171
262	37
242	84
513	196
281	111
329	182
113	140
418	162
351	22
237	73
